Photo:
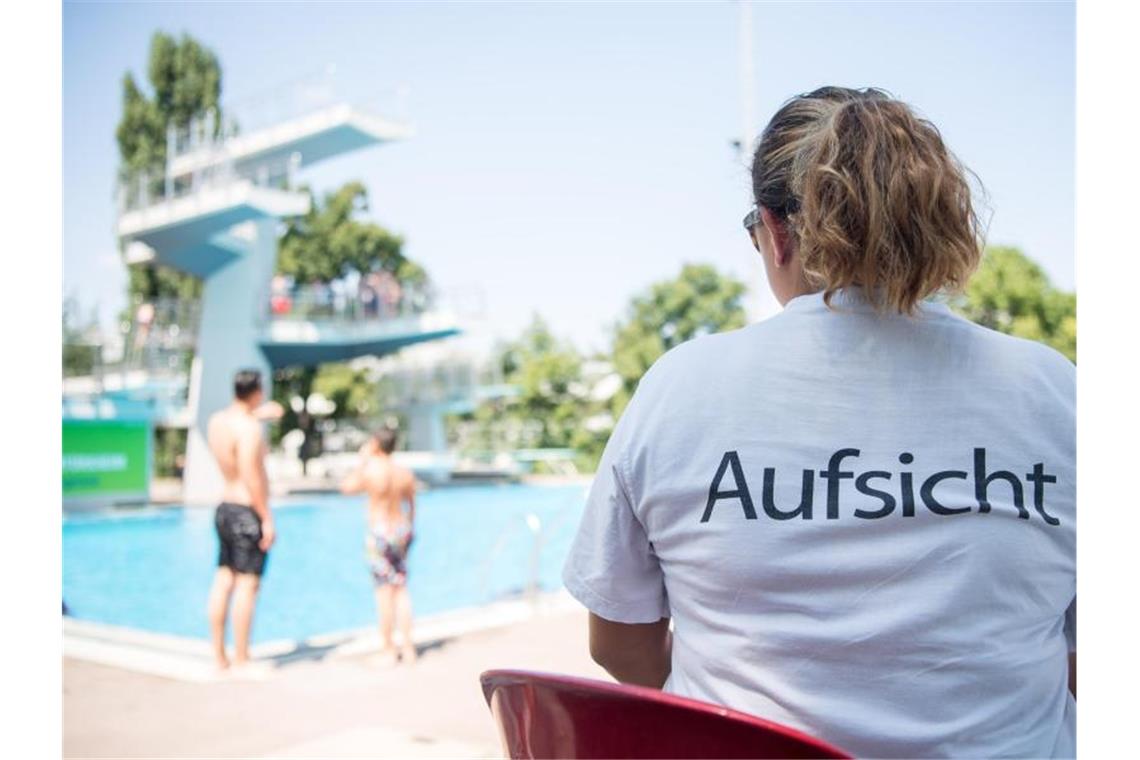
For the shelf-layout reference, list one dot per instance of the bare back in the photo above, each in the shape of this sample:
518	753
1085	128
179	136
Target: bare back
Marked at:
388	486
238	446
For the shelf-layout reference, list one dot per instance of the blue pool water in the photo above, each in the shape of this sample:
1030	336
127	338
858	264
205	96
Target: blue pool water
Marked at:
152	569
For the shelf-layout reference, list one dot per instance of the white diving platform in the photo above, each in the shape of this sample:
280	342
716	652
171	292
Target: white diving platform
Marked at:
287	342
193	220
322	134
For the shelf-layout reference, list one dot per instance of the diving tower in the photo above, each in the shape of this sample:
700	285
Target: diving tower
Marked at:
215	213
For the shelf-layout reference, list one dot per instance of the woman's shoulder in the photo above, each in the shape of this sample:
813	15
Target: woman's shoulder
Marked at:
1016	354
695	354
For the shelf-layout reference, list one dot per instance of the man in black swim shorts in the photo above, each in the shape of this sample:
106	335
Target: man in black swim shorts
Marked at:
239	539
243	520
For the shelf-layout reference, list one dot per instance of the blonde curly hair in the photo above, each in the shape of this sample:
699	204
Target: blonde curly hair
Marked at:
871	195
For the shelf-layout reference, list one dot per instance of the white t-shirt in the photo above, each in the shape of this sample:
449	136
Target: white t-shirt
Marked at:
862	526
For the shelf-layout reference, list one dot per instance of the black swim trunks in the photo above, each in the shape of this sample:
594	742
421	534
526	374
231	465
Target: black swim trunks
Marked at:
239	531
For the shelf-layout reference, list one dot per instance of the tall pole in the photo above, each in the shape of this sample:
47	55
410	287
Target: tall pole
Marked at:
760	304
747	80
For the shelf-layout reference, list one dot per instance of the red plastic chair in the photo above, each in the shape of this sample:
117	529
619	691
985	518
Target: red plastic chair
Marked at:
541	715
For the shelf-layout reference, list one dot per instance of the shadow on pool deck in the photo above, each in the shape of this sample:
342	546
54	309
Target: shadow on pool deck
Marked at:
307	652
319	705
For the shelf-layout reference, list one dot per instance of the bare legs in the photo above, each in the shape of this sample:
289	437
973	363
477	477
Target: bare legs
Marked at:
243	588
394	606
245	599
216	610
403	605
386	609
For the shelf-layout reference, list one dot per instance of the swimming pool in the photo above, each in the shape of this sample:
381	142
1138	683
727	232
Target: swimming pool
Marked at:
152	569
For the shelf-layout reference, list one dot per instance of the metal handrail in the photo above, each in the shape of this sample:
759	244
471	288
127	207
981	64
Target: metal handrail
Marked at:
147	189
165	343
540	536
317	302
299	97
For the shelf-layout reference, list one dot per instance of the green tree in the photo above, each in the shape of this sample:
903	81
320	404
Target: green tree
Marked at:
550	401
141	134
353	389
186	83
323	245
169	451
555	393
699	301
329	242
547	372
290	383
80	342
147	282
1012	294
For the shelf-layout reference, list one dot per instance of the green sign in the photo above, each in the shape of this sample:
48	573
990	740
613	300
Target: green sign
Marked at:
106	458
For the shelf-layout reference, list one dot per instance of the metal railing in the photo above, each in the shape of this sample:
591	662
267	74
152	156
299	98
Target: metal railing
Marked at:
157	337
160	337
540	536
299	97
326	302
443	382
147	189
210	133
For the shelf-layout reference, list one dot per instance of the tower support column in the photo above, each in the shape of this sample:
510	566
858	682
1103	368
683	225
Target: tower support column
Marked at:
233	313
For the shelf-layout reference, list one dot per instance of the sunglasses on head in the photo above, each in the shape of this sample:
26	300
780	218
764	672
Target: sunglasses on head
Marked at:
752	218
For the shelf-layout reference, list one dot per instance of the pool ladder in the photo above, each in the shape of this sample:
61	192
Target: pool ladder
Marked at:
539	537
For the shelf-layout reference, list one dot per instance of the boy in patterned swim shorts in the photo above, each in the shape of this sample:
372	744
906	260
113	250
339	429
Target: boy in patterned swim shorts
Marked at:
389	535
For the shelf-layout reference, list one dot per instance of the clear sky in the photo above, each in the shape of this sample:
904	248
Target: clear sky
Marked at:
568	155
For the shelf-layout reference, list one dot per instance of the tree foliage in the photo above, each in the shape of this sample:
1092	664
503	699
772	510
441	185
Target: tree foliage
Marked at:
323	245
1012	294
699	301
148	282
185	78
557	397
329	242
186	82
353	389
288	383
550	400
547	373
80	346
141	133
169	451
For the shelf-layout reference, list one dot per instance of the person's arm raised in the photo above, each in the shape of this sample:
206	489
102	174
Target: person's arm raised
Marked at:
354	481
251	468
633	653
270	411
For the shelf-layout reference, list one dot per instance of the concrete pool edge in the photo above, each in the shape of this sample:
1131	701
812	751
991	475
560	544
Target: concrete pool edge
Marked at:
185	659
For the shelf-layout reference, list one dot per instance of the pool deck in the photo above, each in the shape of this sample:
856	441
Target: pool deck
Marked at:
324	702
